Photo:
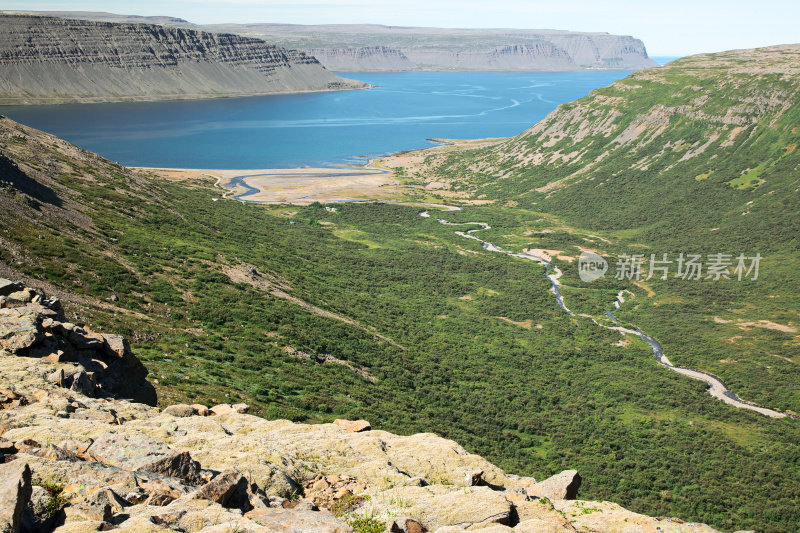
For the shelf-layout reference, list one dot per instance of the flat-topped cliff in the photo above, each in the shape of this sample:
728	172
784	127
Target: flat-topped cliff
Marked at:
52	60
373	47
456	49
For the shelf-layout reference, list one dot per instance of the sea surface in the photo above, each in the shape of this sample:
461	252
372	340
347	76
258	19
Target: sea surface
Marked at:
663	60
402	112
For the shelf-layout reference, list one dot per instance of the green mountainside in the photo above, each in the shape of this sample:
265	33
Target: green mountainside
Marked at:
697	157
688	145
374	312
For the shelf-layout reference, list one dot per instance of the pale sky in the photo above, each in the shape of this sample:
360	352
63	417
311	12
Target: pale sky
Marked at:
668	28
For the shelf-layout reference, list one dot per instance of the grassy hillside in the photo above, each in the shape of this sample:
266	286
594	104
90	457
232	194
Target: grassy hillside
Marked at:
698	157
228	301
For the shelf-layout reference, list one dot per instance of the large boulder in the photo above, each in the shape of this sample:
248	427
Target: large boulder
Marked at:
8	286
15	493
228	489
293	520
19	330
607	516
563	486
226	409
38	515
138	452
180	410
33	326
438	506
353	426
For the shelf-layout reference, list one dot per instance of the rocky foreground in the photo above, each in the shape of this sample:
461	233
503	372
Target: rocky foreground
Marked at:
83	449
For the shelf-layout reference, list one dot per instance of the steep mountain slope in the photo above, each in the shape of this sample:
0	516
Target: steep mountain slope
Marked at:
371	311
53	60
695	158
713	136
371	47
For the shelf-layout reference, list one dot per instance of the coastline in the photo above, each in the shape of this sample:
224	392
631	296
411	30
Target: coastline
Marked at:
376	180
298	186
57	100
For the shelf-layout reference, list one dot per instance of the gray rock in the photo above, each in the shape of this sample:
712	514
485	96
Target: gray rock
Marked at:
107	496
563	486
82	383
89	511
175	464
84	340
143	454
474	478
8	286
292	520
15	493
18	330
57	453
228	489
404	524
180	410
56	377
37	515
116	345
23	296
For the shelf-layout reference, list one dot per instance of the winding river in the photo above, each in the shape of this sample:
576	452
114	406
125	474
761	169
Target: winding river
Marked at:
716	387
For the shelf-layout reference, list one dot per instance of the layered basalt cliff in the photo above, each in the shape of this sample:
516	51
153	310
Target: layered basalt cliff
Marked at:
365	58
372	47
49	60
338	47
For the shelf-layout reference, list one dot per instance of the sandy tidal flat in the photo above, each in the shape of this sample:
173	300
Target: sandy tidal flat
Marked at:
299	186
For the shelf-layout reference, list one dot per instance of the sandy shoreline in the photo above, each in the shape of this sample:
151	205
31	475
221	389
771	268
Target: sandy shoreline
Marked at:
302	186
299	186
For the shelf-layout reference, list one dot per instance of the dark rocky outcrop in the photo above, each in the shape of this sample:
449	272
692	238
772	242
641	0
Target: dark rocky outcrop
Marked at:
84	361
15	492
51	60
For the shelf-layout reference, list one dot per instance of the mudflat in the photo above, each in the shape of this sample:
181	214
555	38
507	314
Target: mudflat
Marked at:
300	186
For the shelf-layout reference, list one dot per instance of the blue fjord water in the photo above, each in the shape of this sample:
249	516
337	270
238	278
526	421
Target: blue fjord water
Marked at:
317	129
